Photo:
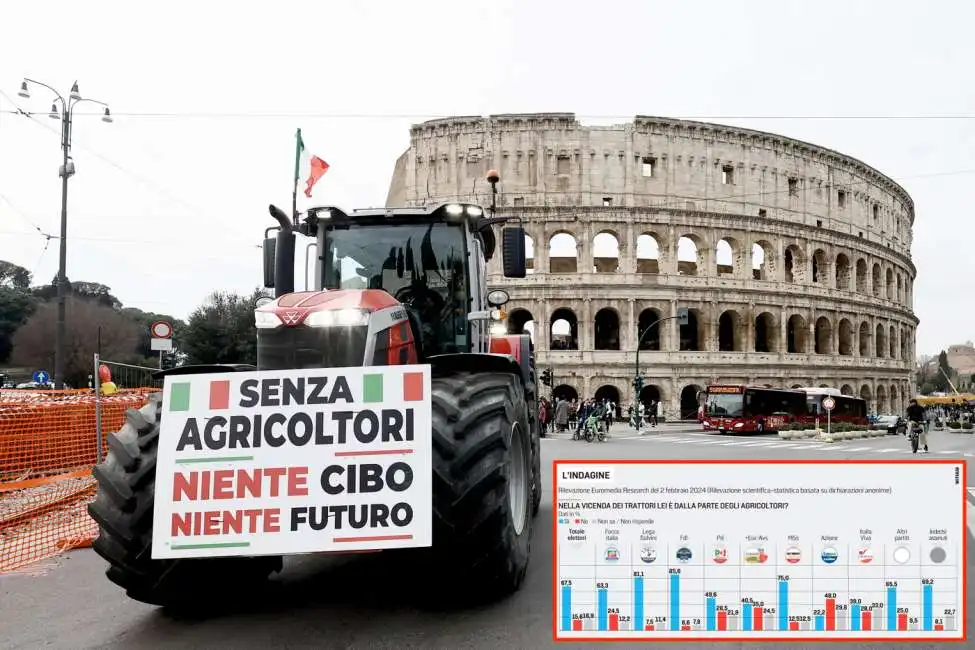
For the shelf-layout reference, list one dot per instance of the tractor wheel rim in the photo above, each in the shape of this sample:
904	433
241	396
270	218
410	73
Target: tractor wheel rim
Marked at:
518	480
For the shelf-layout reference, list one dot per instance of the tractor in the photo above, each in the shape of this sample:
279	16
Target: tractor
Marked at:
391	287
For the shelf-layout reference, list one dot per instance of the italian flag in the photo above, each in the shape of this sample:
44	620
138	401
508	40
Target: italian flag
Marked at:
315	167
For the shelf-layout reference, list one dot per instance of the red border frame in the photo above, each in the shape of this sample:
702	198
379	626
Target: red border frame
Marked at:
771	638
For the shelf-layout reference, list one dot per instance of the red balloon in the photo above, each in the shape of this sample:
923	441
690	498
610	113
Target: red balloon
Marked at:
104	374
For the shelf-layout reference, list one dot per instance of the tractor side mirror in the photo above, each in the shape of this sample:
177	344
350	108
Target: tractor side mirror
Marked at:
269	245
513	251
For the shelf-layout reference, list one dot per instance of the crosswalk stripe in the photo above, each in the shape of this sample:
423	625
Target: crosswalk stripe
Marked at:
861	448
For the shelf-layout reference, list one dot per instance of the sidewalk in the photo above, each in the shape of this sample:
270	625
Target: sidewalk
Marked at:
620	429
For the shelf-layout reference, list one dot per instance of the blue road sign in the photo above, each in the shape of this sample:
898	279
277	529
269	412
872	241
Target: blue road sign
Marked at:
41	377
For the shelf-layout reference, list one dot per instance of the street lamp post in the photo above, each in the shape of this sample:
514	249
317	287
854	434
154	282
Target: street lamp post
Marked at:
682	319
65	114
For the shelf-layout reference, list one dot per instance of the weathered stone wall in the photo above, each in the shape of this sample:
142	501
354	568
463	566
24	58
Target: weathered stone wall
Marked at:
816	284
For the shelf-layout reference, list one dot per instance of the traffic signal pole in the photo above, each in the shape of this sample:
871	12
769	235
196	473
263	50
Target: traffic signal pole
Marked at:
682	318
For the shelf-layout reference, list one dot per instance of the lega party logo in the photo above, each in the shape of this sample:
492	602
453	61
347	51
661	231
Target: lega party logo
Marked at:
648	555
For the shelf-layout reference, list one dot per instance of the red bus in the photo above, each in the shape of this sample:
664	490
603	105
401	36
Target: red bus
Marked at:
752	409
848	409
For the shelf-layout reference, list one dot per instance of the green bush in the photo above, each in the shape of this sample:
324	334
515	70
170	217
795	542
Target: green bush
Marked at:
967	425
954	424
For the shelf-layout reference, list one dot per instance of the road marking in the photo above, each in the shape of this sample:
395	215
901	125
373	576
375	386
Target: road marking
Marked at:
947	452
889	450
861	448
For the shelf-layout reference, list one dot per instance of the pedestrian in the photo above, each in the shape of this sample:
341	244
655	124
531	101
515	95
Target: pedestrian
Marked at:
562	414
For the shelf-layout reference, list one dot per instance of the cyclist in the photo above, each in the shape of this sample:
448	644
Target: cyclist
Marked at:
915	414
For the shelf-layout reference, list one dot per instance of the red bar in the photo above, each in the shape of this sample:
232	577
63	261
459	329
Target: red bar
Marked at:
685	628
793	626
649	627
614	622
866	623
830	614
938	627
219	395
577	625
722	620
902	622
759	623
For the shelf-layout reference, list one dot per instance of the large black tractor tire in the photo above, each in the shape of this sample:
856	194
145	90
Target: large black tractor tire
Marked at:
482	472
123	510
536	432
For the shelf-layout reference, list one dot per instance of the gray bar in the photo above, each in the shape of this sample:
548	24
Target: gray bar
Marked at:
949	623
913	626
803	625
589	624
696	627
732	623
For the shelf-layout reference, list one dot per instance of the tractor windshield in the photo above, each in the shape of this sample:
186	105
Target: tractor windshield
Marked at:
420	264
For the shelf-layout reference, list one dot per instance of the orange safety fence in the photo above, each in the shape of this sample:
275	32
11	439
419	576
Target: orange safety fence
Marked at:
48	441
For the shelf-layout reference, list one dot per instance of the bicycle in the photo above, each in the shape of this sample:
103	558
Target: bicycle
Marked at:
593	430
915	435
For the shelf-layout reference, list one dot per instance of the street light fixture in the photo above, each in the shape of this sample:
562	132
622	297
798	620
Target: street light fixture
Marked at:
66	115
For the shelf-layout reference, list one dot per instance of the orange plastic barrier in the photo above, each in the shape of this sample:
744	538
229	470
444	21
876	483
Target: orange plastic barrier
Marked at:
47	450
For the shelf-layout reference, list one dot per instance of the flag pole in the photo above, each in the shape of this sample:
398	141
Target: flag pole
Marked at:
299	145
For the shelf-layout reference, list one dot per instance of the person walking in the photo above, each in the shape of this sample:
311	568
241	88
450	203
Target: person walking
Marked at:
561	414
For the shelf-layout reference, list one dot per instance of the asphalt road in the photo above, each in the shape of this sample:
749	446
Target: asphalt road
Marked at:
370	601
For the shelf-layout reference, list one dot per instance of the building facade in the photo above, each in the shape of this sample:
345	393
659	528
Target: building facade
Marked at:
793	260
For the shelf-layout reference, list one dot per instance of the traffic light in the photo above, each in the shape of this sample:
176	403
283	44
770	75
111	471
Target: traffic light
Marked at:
682	316
638	383
547	377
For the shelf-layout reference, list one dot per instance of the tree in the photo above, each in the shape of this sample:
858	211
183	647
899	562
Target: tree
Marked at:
34	342
940	379
222	329
93	291
16	303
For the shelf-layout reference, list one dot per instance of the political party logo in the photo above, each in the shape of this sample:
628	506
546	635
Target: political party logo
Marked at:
612	554
719	554
756	555
684	554
648	554
829	555
793	555
865	555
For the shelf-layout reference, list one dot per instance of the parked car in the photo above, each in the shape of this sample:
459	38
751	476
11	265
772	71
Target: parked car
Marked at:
892	423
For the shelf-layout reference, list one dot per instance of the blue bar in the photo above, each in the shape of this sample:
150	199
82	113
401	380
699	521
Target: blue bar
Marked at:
927	601
854	618
820	623
638	603
603	610
566	607
674	602
746	617
783	605
711	614
891	609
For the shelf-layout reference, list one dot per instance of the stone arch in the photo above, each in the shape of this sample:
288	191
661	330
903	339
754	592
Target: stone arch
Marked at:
689	401
647	318
529	254
728	256
877	280
845	338
730	331
606	329
692	334
865	338
763	260
900	289
795	264
905	345
689	258
521	320
766	333
862	276
882	406
605	252
796	331
880	339
607	391
867	395
820	266
651	392
843	272
563	253
890	284
794	386
563	330
895	399
648	253
824	336
846	389
565	391
892	341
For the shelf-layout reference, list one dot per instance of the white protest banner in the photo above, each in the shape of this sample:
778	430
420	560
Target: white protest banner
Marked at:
294	461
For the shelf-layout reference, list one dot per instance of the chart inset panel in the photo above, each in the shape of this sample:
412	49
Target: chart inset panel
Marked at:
750	550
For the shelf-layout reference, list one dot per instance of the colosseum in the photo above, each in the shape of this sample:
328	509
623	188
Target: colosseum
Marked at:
793	260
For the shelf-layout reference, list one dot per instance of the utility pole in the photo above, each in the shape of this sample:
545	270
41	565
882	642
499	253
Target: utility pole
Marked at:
65	114
682	319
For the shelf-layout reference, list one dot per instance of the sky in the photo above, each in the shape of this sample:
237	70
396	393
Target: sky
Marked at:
169	202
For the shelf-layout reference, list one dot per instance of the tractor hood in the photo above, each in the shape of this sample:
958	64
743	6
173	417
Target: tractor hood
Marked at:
344	307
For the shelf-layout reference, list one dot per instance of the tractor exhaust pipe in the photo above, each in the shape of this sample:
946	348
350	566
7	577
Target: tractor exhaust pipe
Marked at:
284	254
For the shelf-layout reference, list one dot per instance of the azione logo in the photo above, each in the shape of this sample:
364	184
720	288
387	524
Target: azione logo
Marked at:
829	555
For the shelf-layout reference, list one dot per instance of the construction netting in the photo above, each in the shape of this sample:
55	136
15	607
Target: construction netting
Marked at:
48	446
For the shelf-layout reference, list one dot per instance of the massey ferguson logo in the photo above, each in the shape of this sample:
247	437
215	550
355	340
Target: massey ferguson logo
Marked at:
291	317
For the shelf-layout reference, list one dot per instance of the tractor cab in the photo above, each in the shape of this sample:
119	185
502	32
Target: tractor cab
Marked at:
368	266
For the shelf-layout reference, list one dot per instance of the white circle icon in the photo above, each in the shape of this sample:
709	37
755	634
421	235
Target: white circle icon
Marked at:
902	555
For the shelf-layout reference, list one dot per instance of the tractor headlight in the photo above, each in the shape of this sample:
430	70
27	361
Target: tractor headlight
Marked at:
498	329
338	318
264	320
454	210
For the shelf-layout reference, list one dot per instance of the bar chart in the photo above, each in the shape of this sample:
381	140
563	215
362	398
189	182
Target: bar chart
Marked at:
684	572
